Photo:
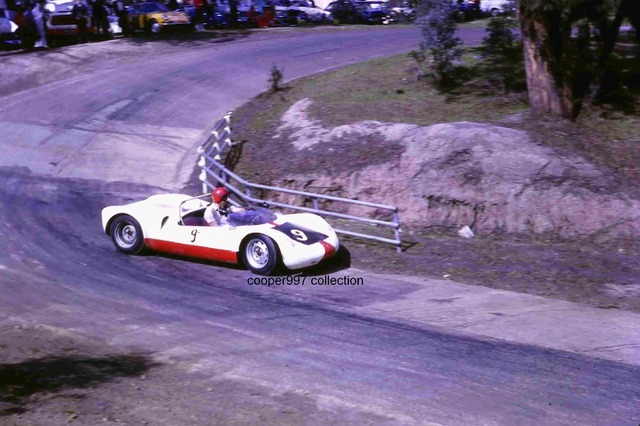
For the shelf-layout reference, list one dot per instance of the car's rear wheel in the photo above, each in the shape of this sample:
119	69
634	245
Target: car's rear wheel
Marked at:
126	235
260	255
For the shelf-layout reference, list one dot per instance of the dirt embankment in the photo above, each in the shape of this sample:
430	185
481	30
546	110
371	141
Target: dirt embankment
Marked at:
493	179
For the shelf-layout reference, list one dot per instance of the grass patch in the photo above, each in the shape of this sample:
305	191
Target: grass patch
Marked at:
381	89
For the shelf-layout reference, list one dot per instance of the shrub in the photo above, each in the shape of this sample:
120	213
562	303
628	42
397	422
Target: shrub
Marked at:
275	77
436	23
503	64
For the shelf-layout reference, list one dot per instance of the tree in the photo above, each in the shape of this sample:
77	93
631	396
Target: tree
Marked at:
563	61
503	66
436	23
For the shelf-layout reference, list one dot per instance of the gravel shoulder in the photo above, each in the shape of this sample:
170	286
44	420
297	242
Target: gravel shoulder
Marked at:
50	376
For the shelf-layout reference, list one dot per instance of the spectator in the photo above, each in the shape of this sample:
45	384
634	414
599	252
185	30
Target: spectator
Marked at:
80	14
26	27
38	13
199	6
251	16
99	19
121	13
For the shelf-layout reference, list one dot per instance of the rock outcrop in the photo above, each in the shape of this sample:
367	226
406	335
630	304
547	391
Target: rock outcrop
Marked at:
492	178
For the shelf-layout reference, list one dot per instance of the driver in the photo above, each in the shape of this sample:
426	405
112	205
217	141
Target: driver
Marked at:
217	213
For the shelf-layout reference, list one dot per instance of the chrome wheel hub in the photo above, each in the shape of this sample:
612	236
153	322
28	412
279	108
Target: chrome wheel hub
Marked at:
257	253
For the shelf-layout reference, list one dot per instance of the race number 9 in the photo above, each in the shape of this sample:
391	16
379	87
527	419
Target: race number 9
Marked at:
299	235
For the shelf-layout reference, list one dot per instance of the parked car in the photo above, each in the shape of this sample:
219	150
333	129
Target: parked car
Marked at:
9	35
343	11
153	17
299	11
17	28
315	14
405	11
375	12
465	10
222	14
60	22
493	7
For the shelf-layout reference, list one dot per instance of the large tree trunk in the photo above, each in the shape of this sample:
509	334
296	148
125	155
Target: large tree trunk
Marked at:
545	50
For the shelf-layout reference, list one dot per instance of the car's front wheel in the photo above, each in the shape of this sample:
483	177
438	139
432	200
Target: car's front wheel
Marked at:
154	27
126	235
260	255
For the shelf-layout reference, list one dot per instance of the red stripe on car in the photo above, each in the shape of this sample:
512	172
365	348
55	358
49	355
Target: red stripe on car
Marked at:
329	250
192	251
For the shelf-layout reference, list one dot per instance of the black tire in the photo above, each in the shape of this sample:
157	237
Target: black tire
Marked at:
126	235
260	255
153	27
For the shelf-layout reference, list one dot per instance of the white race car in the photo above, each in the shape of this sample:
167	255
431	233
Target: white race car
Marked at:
174	224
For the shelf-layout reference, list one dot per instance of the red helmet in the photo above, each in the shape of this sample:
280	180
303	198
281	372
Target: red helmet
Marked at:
219	194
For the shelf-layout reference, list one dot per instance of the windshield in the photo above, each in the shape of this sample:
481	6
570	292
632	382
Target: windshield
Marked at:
154	7
253	216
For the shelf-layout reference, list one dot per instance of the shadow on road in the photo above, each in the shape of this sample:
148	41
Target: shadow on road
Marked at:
18	382
191	38
340	261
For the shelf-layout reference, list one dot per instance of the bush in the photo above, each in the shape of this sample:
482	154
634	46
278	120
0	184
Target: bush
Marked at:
436	23
503	64
275	77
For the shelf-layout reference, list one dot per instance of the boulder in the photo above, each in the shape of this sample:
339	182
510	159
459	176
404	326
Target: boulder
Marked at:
493	179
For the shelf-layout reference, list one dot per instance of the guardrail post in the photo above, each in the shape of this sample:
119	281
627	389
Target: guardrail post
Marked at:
315	204
396	219
203	179
202	163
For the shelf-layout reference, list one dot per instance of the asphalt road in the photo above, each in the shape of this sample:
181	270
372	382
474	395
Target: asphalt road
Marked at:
124	112
58	268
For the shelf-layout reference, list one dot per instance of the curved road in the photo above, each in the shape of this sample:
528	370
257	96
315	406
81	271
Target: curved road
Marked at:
340	354
122	113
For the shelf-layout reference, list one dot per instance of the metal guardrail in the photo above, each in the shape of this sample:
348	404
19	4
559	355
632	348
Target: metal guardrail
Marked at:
214	173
